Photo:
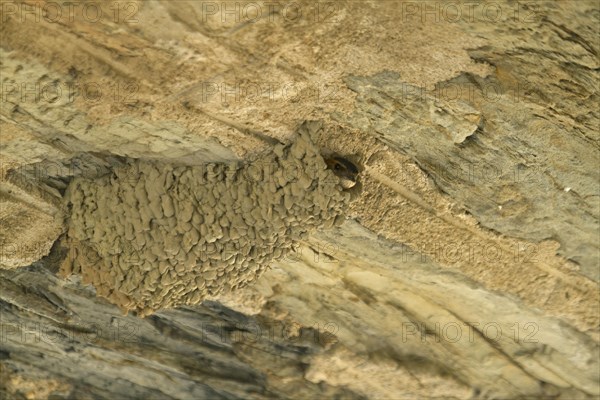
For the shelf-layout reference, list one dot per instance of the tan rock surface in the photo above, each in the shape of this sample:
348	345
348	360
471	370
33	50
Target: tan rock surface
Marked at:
468	268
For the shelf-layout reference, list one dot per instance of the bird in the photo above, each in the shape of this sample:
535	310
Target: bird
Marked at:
344	169
154	234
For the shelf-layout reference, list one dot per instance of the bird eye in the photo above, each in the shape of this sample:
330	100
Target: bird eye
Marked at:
337	167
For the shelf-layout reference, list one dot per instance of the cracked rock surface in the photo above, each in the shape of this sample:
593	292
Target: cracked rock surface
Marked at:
467	268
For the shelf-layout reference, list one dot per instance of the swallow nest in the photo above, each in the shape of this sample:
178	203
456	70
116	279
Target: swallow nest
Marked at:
156	235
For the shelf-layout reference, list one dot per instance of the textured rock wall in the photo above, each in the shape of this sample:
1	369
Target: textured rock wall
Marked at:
468	267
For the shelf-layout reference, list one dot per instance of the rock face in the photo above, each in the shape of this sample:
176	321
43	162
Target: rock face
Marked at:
468	266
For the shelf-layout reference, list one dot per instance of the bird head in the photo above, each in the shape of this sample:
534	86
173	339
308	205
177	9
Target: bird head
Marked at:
343	169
